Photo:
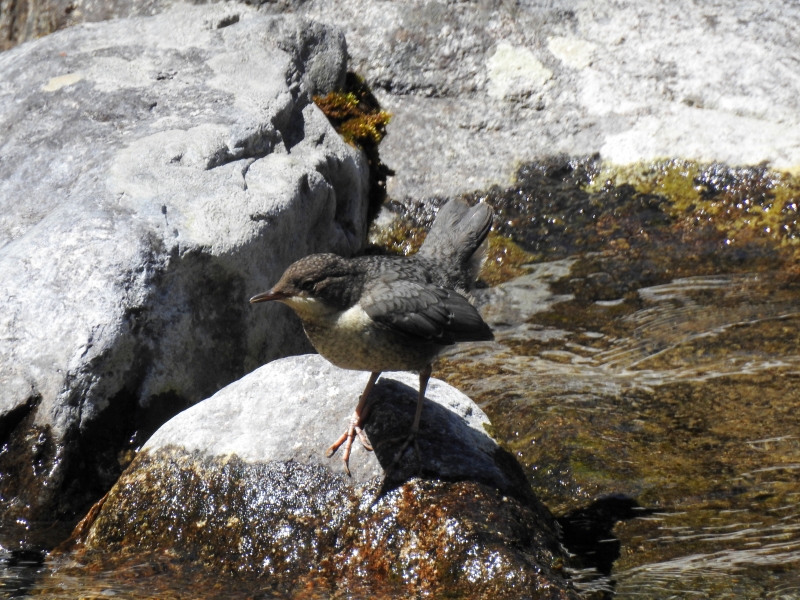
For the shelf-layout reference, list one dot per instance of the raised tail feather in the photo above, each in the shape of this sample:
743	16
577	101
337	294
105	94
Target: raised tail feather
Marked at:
456	235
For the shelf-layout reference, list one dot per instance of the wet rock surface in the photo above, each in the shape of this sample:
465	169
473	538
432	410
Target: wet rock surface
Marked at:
239	484
300	528
155	174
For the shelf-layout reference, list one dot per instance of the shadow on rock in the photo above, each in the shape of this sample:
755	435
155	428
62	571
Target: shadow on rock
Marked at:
449	448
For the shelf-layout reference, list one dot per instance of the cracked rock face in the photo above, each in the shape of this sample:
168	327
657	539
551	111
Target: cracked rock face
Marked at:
478	88
240	483
154	174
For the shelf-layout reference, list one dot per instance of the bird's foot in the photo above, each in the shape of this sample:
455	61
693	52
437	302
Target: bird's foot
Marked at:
353	430
407	441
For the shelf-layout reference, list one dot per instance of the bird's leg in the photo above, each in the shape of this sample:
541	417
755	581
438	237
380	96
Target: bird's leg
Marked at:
354	429
424	376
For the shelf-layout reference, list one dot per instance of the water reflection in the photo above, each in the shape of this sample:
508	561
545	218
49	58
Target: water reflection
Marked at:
18	572
684	397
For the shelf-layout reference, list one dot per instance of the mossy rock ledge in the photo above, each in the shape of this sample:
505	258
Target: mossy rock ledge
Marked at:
239	483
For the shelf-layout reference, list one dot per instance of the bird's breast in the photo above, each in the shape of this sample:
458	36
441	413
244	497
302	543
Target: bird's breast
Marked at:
350	339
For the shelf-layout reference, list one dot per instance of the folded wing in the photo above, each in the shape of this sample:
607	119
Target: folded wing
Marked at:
424	312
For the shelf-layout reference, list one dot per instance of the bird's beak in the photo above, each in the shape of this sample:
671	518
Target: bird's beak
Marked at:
267	296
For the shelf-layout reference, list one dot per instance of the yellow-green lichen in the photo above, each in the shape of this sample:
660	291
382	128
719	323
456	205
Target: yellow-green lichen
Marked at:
401	236
505	260
743	202
355	113
357	116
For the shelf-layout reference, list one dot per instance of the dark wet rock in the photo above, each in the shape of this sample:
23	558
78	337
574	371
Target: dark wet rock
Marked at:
155	173
596	286
621	229
240	483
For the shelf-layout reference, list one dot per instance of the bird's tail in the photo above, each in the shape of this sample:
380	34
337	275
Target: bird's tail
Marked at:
455	238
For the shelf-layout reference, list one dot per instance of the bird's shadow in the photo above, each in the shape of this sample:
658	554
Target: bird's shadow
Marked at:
588	534
588	531
449	448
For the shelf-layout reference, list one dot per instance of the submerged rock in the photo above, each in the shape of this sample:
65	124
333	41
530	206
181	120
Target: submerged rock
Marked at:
155	173
239	482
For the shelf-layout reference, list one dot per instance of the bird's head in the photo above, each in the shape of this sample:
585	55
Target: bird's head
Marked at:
315	284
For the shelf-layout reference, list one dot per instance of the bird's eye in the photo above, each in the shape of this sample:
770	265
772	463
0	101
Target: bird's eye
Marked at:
307	285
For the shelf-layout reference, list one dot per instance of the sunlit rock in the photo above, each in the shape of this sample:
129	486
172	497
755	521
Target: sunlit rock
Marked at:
476	88
240	482
515	72
154	174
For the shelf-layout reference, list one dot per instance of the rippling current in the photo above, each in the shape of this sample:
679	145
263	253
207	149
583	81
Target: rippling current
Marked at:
683	399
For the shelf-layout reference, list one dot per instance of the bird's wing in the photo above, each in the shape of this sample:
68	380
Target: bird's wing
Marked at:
424	311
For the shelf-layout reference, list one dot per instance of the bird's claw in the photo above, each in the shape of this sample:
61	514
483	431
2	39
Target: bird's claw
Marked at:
353	430
407	440
364	441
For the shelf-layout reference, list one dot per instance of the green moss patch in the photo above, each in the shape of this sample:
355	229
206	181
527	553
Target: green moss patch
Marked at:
357	116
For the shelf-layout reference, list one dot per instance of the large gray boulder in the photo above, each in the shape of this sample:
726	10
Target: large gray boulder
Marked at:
476	88
294	408
154	174
240	483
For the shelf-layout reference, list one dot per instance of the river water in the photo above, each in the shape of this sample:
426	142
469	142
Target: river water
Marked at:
684	401
655	363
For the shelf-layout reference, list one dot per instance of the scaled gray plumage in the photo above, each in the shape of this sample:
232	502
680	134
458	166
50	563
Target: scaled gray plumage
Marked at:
380	313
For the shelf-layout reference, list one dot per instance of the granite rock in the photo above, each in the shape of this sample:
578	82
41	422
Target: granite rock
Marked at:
294	408
477	88
240	483
154	174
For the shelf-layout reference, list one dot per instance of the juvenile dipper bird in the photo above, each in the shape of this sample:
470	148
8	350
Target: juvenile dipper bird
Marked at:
390	313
